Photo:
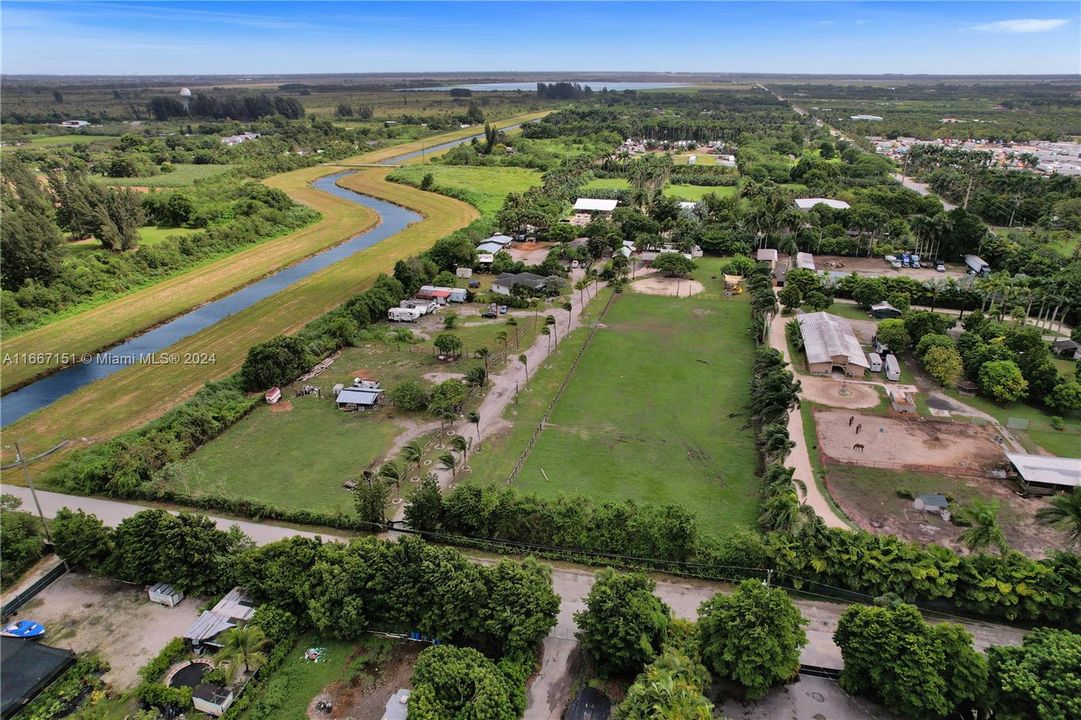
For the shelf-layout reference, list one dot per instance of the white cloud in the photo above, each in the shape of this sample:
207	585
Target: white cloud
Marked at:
1026	25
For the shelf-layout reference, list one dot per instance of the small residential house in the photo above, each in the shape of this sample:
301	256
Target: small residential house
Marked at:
75	124
1066	348
931	502
805	204
506	282
234	609
767	255
231	140
363	394
493	244
830	344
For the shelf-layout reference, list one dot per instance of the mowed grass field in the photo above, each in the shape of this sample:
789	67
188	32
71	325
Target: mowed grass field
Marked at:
683	192
107	324
183	175
646	414
62	140
484	187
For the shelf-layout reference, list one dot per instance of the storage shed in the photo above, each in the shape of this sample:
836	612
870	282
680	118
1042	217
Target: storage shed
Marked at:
165	594
830	344
212	699
362	395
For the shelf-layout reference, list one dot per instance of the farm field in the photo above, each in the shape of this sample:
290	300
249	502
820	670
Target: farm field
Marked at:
183	175
297	454
868	495
697	192
108	323
63	140
133	396
633	426
483	187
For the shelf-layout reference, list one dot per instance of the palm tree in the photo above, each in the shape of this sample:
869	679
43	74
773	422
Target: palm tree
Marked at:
581	286
393	472
244	643
483	353
1064	513
985	531
569	308
551	322
413	452
459	443
474	417
447	461
548	333
524	359
501	336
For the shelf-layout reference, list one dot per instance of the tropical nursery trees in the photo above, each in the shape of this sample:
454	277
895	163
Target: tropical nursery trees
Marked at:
752	636
624	623
918	670
1038	680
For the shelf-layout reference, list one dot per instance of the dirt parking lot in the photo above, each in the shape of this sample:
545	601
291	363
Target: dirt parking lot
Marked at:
117	621
901	443
878	266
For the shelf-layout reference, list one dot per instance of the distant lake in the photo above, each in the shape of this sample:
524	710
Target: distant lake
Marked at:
595	85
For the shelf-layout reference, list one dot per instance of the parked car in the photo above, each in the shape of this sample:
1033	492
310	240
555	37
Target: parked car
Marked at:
940	267
574	264
489	314
474	283
502	309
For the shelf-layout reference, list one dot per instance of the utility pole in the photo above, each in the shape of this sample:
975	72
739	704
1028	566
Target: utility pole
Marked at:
33	492
968	192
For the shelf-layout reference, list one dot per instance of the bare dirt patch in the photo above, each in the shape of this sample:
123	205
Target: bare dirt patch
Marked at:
869	498
364	696
878	266
282	406
117	621
675	287
896	443
438	377
363	374
827	391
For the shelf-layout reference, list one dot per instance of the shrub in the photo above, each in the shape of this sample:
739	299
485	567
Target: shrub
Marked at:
172	652
905	493
276	362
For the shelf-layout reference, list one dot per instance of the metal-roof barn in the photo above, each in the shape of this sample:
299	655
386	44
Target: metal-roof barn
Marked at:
1043	472
594	205
830	343
805	261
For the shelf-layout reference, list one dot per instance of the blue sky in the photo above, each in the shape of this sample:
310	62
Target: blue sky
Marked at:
129	37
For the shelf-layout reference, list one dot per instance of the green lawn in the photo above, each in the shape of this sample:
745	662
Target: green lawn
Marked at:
484	187
296	682
1064	443
607	184
701	158
646	414
151	235
182	176
697	192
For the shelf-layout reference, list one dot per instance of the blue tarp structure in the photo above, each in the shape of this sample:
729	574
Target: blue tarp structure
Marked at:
24	629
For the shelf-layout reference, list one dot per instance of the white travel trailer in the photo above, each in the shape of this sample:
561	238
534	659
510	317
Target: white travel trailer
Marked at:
876	362
893	369
400	314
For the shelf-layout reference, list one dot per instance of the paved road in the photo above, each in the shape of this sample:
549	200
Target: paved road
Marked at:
548	692
922	189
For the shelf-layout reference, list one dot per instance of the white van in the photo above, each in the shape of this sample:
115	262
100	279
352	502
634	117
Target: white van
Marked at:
876	362
893	369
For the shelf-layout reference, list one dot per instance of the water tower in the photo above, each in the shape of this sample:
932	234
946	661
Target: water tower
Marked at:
185	97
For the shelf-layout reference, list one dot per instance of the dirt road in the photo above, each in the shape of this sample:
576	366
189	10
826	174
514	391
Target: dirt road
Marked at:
800	458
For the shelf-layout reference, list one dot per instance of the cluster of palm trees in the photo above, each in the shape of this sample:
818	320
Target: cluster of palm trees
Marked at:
1052	296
